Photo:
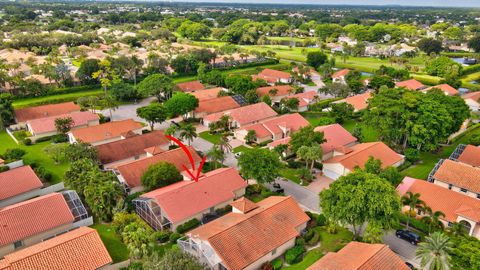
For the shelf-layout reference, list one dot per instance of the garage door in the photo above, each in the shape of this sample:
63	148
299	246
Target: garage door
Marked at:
331	174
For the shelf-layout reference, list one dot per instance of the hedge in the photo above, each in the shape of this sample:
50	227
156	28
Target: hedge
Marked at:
187	226
319	106
174	237
471	69
61	91
294	255
277	264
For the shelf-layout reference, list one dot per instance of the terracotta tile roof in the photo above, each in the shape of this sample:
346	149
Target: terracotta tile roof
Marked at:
185	199
361	153
451	203
359	102
28	218
305	98
335	136
472	95
190	86
241	239
17	181
244	205
410	84
208	93
282	124
282	90
130	147
133	171
341	73
471	155
360	256
246	114
105	131
459	174
272	73
47	124
285	140
80	249
445	88
214	105
31	113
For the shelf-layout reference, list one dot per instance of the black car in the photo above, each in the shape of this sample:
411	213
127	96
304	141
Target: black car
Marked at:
409	236
409	265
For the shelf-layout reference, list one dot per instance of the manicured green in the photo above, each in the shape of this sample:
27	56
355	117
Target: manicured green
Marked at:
369	133
36	154
240	148
328	243
213	138
292	175
35	101
117	250
428	160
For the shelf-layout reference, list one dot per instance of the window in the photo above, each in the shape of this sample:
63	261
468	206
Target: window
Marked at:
463	190
18	244
274	251
478	196
450	186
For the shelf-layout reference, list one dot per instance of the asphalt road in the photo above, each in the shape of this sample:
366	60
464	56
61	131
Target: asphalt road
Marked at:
306	198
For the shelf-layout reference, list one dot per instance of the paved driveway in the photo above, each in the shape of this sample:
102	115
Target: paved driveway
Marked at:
402	248
308	199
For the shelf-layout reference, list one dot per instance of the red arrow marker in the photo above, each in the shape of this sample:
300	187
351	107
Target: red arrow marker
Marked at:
190	157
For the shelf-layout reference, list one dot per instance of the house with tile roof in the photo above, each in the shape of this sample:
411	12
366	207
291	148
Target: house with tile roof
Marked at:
44	127
80	249
132	148
190	86
273	76
210	93
359	102
346	159
473	101
171	206
304	99
105	133
31	113
445	88
130	174
273	129
276	92
215	105
457	176
30	222
336	137
457	207
468	154
252	234
360	256
243	116
340	76
411	84
18	184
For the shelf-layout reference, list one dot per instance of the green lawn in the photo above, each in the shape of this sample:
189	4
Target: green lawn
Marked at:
369	133
428	160
36	154
117	250
240	148
291	174
328	243
213	138
35	101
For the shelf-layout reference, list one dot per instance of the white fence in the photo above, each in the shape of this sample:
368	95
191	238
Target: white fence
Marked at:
10	132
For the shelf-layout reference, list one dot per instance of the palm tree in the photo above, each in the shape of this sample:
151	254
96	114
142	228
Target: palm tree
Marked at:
216	155
432	218
433	253
224	144
413	201
188	132
457	229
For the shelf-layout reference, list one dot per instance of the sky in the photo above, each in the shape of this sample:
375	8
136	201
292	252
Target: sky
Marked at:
435	3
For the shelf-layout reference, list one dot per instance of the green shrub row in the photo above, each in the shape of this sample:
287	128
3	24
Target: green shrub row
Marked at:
187	226
471	69
61	91
294	255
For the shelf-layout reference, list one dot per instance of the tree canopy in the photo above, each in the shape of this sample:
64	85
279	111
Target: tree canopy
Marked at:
260	164
160	175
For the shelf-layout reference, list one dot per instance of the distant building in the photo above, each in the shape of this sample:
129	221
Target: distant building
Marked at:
105	133
32	113
243	116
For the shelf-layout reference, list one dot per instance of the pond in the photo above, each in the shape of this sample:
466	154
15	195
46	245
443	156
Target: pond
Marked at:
463	61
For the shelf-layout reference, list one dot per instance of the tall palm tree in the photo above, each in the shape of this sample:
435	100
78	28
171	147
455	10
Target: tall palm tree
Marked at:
433	253
412	201
432	218
224	144
216	155
188	132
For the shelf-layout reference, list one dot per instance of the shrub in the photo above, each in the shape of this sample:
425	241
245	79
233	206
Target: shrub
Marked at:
266	266
187	226
13	154
4	168
43	174
27	141
162	236
277	264
412	155
174	237
321	220
474	140
60	138
309	235
122	219
299	241
315	239
294	255
295	164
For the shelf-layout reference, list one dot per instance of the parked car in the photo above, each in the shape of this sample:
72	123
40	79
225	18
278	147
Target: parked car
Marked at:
409	236
238	154
409	265
277	188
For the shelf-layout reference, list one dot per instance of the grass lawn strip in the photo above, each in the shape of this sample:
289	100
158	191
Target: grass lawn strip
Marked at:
213	138
116	248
